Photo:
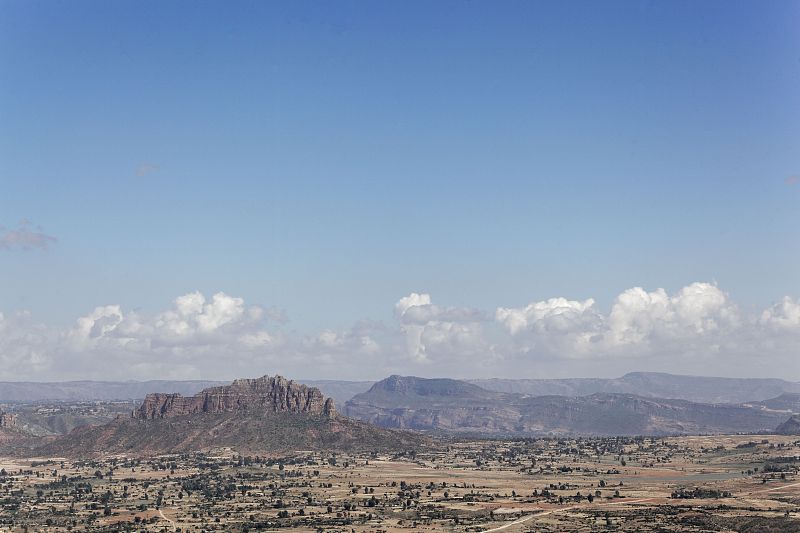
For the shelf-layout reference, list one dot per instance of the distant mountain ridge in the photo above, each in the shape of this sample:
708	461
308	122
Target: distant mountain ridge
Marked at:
654	384
445	405
30	391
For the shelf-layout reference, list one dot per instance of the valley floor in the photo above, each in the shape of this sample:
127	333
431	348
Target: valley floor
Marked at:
687	484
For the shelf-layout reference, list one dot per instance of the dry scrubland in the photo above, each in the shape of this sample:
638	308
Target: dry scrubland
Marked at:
723	483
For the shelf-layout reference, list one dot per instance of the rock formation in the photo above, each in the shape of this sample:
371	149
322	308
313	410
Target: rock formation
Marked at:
790	427
7	420
267	414
265	394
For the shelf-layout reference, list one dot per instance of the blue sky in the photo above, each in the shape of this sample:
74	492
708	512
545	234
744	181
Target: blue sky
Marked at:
330	158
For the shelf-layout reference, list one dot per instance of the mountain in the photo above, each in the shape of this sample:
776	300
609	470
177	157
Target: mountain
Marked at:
28	391
659	385
654	384
784	402
12	436
266	414
446	405
790	427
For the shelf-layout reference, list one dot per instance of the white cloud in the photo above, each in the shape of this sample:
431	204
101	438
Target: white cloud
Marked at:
784	315
697	327
432	332
639	323
699	309
553	315
412	300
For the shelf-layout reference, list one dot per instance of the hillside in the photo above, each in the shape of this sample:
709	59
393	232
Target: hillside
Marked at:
452	406
784	402
790	427
267	414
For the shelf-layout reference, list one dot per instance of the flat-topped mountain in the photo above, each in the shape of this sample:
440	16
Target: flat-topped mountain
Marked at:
267	414
446	405
264	394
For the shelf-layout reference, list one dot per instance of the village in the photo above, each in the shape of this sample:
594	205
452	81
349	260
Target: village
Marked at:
545	485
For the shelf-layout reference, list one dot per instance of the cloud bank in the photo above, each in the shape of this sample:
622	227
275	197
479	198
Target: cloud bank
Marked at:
698	329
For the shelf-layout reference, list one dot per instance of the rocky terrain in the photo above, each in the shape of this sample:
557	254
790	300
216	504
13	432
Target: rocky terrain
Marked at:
446	405
264	394
262	415
790	427
7	420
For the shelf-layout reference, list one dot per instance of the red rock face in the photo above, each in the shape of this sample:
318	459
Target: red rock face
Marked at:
264	394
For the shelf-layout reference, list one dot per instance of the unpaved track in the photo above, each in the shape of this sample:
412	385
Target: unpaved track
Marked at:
561	509
622	502
171	522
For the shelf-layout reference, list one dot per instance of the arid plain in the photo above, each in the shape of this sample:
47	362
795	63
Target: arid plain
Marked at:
743	483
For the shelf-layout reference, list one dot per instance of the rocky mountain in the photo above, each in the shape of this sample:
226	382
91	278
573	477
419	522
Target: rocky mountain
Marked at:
13	437
445	405
654	384
790	427
266	414
265	394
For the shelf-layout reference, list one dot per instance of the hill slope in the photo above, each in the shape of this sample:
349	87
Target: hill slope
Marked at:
453	406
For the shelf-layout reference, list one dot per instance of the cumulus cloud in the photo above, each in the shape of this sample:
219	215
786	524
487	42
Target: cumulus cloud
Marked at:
192	321
784	315
638	323
445	333
25	237
639	317
695	329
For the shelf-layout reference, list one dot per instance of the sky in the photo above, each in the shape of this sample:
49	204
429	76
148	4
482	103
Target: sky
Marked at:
346	190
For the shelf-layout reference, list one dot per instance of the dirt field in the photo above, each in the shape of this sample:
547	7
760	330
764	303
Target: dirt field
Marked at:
698	484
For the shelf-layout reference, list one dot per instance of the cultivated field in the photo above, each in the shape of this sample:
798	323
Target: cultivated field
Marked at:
699	484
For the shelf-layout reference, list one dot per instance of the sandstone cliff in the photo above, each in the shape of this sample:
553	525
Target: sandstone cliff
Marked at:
265	394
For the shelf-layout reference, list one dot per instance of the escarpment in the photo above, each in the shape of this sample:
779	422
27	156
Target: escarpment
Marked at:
265	394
